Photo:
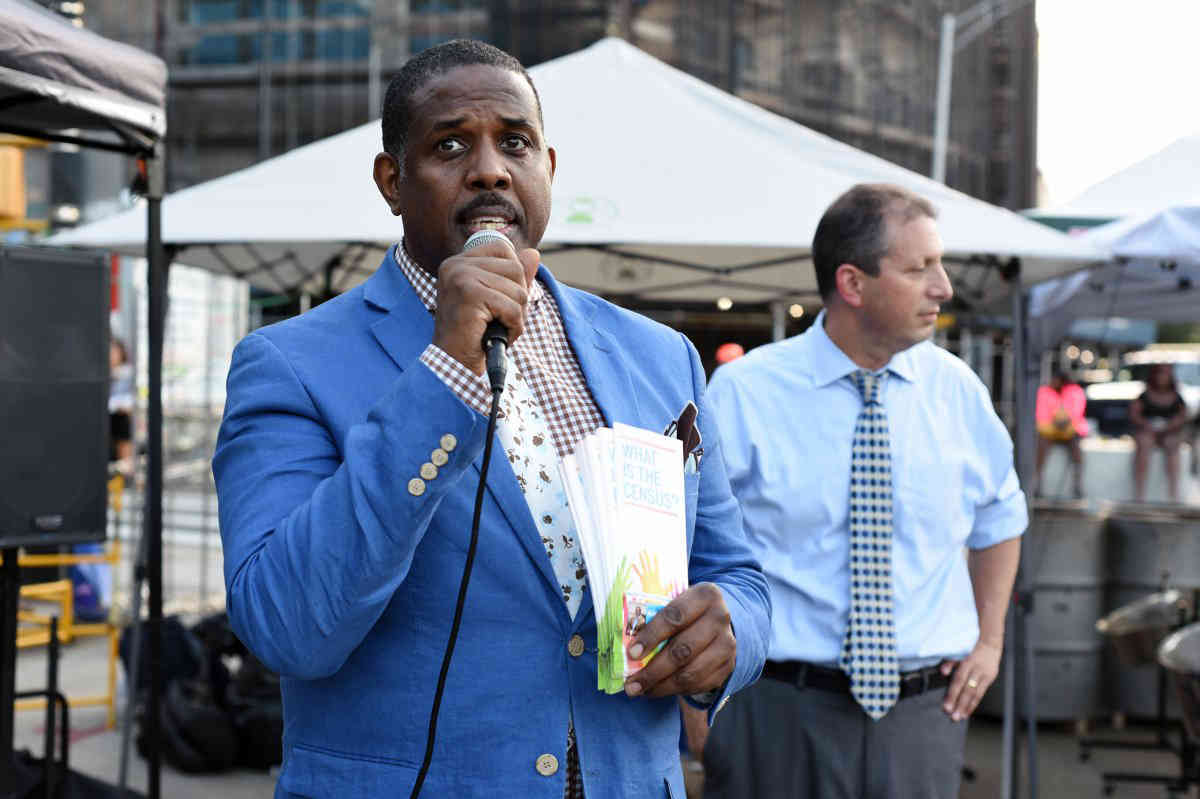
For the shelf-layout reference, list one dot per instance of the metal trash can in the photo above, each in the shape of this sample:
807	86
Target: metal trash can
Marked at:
1179	654
1064	552
1146	541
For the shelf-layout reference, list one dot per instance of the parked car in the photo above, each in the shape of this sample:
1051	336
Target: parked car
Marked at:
1108	403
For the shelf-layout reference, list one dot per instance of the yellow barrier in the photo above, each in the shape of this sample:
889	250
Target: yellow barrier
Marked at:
107	700
62	594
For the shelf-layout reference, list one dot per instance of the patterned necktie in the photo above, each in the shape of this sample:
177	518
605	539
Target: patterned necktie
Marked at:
531	453
869	651
534	460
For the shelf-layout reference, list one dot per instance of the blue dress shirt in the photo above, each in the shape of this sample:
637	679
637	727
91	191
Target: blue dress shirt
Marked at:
786	413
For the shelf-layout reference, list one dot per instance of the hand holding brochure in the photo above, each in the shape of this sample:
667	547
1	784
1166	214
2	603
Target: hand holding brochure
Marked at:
625	489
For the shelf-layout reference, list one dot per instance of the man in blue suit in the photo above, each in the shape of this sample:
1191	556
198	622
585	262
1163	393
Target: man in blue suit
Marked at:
347	467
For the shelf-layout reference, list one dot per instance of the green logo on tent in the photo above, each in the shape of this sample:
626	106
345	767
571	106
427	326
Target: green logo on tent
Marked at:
585	210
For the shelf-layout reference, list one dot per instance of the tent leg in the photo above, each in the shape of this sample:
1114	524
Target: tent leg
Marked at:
156	276
1030	367
1008	748
1021	645
1025	610
778	321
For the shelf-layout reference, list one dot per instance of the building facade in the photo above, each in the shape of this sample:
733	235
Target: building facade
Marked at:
251	79
254	78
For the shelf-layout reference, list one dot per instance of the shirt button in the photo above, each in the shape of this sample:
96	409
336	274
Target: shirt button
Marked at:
575	646
547	765
439	457
416	486
428	471
449	442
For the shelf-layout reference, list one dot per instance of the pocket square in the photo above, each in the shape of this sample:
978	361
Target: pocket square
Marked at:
684	428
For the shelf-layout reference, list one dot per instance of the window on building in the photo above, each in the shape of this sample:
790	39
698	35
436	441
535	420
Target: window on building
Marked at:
318	43
444	6
743	62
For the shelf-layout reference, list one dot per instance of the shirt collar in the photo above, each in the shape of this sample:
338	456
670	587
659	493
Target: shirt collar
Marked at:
425	284
830	364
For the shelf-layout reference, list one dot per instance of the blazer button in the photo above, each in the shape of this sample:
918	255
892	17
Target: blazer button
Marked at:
547	765
575	646
449	442
416	486
439	457
428	471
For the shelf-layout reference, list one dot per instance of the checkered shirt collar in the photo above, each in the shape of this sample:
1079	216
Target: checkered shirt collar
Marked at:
425	284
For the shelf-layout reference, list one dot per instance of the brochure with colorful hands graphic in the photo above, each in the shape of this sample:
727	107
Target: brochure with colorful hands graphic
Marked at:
625	490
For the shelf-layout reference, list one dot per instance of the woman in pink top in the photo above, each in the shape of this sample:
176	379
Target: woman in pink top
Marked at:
1060	420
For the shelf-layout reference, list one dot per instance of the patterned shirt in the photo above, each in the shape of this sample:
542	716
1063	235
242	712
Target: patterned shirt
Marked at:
542	354
543	357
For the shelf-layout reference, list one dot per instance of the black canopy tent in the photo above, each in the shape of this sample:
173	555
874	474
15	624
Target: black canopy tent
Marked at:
67	84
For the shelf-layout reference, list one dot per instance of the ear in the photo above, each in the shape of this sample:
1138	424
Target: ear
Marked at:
553	161
849	280
387	179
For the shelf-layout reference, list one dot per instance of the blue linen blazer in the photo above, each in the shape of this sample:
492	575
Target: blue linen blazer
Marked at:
345	583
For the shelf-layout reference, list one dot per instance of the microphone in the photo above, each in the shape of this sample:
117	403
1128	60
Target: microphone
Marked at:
495	336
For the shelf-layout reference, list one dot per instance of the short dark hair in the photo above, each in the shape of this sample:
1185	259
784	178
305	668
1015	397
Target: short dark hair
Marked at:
854	229
428	64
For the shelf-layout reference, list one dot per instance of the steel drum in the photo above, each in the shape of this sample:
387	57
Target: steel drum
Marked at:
1179	654
1137	629
1146	542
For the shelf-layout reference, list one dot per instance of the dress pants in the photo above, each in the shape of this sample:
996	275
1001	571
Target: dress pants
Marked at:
777	741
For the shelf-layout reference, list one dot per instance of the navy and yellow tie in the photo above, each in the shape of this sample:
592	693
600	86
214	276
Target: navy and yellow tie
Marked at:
869	650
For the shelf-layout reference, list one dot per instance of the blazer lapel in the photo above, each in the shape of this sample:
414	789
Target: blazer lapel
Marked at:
407	326
502	485
606	372
600	357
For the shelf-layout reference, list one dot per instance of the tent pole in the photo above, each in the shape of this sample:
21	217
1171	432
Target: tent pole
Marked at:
156	278
778	321
1021	650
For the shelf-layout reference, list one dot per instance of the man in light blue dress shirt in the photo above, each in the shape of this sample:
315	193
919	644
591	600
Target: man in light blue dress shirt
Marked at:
787	414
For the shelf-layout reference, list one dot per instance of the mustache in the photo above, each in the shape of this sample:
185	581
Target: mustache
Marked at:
490	200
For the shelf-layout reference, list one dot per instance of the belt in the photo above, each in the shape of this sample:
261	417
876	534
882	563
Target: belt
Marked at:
807	675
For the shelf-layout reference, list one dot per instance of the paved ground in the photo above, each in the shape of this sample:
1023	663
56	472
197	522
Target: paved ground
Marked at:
95	751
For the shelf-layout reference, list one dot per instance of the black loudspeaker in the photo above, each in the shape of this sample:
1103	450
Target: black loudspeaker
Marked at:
54	384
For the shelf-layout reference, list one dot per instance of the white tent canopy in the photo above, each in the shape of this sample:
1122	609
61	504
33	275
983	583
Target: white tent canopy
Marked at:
1156	276
56	77
1155	238
667	188
1170	177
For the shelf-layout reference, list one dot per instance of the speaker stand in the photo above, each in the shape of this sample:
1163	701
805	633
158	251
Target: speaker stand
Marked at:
15	779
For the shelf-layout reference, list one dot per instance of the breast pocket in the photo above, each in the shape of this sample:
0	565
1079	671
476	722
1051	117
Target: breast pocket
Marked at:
928	477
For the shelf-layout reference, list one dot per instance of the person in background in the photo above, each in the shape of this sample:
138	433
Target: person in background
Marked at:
1060	422
1158	416
92	582
878	490
120	407
729	351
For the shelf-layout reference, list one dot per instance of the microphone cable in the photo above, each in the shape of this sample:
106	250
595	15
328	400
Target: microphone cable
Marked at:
495	345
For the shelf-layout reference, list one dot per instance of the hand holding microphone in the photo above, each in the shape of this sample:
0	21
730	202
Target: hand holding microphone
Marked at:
484	285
